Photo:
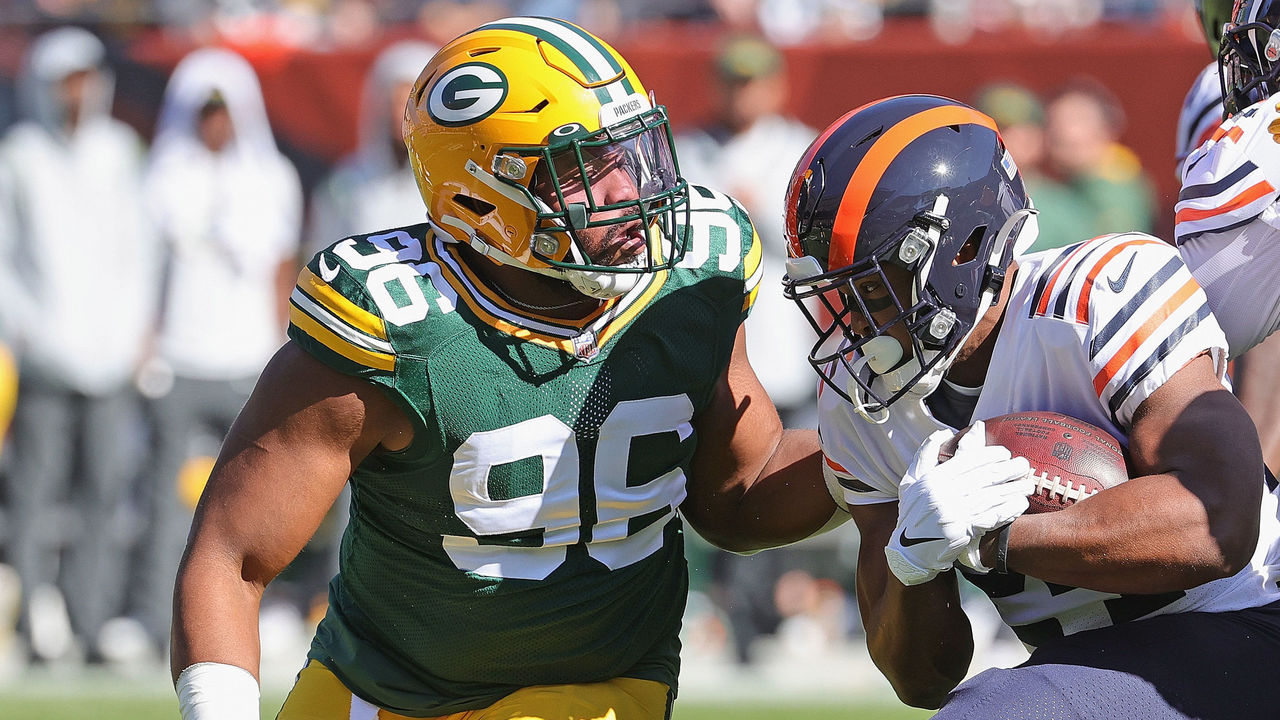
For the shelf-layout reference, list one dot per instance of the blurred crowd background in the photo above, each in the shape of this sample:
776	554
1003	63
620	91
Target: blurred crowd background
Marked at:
167	166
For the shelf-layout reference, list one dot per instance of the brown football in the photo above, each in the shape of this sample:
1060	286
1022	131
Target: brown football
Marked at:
1070	458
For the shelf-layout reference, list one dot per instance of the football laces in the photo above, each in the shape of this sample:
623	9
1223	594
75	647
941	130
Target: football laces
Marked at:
1062	490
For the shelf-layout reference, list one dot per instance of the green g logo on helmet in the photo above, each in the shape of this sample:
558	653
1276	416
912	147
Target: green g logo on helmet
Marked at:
467	94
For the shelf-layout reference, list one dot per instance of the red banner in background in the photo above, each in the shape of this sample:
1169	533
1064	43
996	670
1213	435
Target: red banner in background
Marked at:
312	96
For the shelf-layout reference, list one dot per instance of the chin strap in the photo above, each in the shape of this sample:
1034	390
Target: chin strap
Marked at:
870	409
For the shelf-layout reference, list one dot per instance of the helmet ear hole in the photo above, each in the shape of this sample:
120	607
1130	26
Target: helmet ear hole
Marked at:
969	250
474	204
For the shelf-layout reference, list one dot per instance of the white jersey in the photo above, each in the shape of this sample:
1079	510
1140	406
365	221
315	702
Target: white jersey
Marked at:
1091	330
1227	224
1201	112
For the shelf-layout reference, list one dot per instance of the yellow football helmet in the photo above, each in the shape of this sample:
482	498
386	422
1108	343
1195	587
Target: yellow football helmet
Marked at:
509	124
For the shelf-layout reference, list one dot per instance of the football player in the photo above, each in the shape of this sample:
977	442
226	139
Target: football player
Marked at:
1226	215
1154	599
525	393
1226	209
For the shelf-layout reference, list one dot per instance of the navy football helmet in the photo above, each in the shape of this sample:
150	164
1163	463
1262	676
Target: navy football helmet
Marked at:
920	183
1249	57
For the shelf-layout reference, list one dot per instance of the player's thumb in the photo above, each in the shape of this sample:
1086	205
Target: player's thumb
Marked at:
927	456
974	437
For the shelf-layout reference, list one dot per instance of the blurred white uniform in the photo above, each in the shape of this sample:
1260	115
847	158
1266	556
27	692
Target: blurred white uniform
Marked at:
373	187
1091	331
78	269
760	159
1228	226
231	221
1201	113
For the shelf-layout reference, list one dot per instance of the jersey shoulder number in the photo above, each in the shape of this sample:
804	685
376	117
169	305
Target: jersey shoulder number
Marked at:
351	296
722	242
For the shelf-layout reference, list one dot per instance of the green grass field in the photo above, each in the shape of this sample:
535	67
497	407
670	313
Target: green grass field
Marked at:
22	707
73	693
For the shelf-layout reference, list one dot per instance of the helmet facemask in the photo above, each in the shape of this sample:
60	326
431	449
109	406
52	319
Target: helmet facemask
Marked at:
1213	15
917	194
1248	64
880	371
591	190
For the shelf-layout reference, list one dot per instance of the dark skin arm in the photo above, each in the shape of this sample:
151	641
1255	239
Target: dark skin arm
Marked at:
918	636
1189	516
284	462
306	427
753	485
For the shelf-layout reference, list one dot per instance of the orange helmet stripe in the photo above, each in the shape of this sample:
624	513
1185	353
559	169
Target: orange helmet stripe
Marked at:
798	175
857	194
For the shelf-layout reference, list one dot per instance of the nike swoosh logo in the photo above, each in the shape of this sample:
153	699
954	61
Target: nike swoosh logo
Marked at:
1117	284
327	273
909	541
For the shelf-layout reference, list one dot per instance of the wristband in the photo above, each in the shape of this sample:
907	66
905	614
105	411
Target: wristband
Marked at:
217	691
1002	550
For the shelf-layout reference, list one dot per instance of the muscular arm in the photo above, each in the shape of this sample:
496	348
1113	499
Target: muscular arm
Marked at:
918	636
283	463
753	484
1188	517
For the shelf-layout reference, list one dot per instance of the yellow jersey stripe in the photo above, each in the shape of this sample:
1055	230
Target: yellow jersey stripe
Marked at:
342	308
451	276
655	284
502	302
337	326
750	298
336	343
466	281
751	264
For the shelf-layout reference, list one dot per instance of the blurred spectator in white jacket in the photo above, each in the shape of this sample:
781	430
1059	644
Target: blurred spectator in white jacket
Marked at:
373	187
78	274
748	150
229	208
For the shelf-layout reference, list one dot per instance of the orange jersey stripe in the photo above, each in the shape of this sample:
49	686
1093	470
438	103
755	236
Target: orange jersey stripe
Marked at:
1043	306
857	194
1244	198
835	465
1140	336
1082	308
1233	134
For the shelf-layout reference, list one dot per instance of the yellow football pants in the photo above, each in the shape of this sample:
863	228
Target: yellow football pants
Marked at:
8	391
319	695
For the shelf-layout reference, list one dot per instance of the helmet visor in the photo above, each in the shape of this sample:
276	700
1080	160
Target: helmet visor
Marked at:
611	199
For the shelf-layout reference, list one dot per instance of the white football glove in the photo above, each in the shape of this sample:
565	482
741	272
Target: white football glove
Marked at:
944	509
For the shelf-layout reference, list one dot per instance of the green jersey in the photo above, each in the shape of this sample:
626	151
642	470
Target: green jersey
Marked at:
529	534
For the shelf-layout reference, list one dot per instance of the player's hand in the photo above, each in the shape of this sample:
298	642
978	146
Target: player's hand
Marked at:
945	508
